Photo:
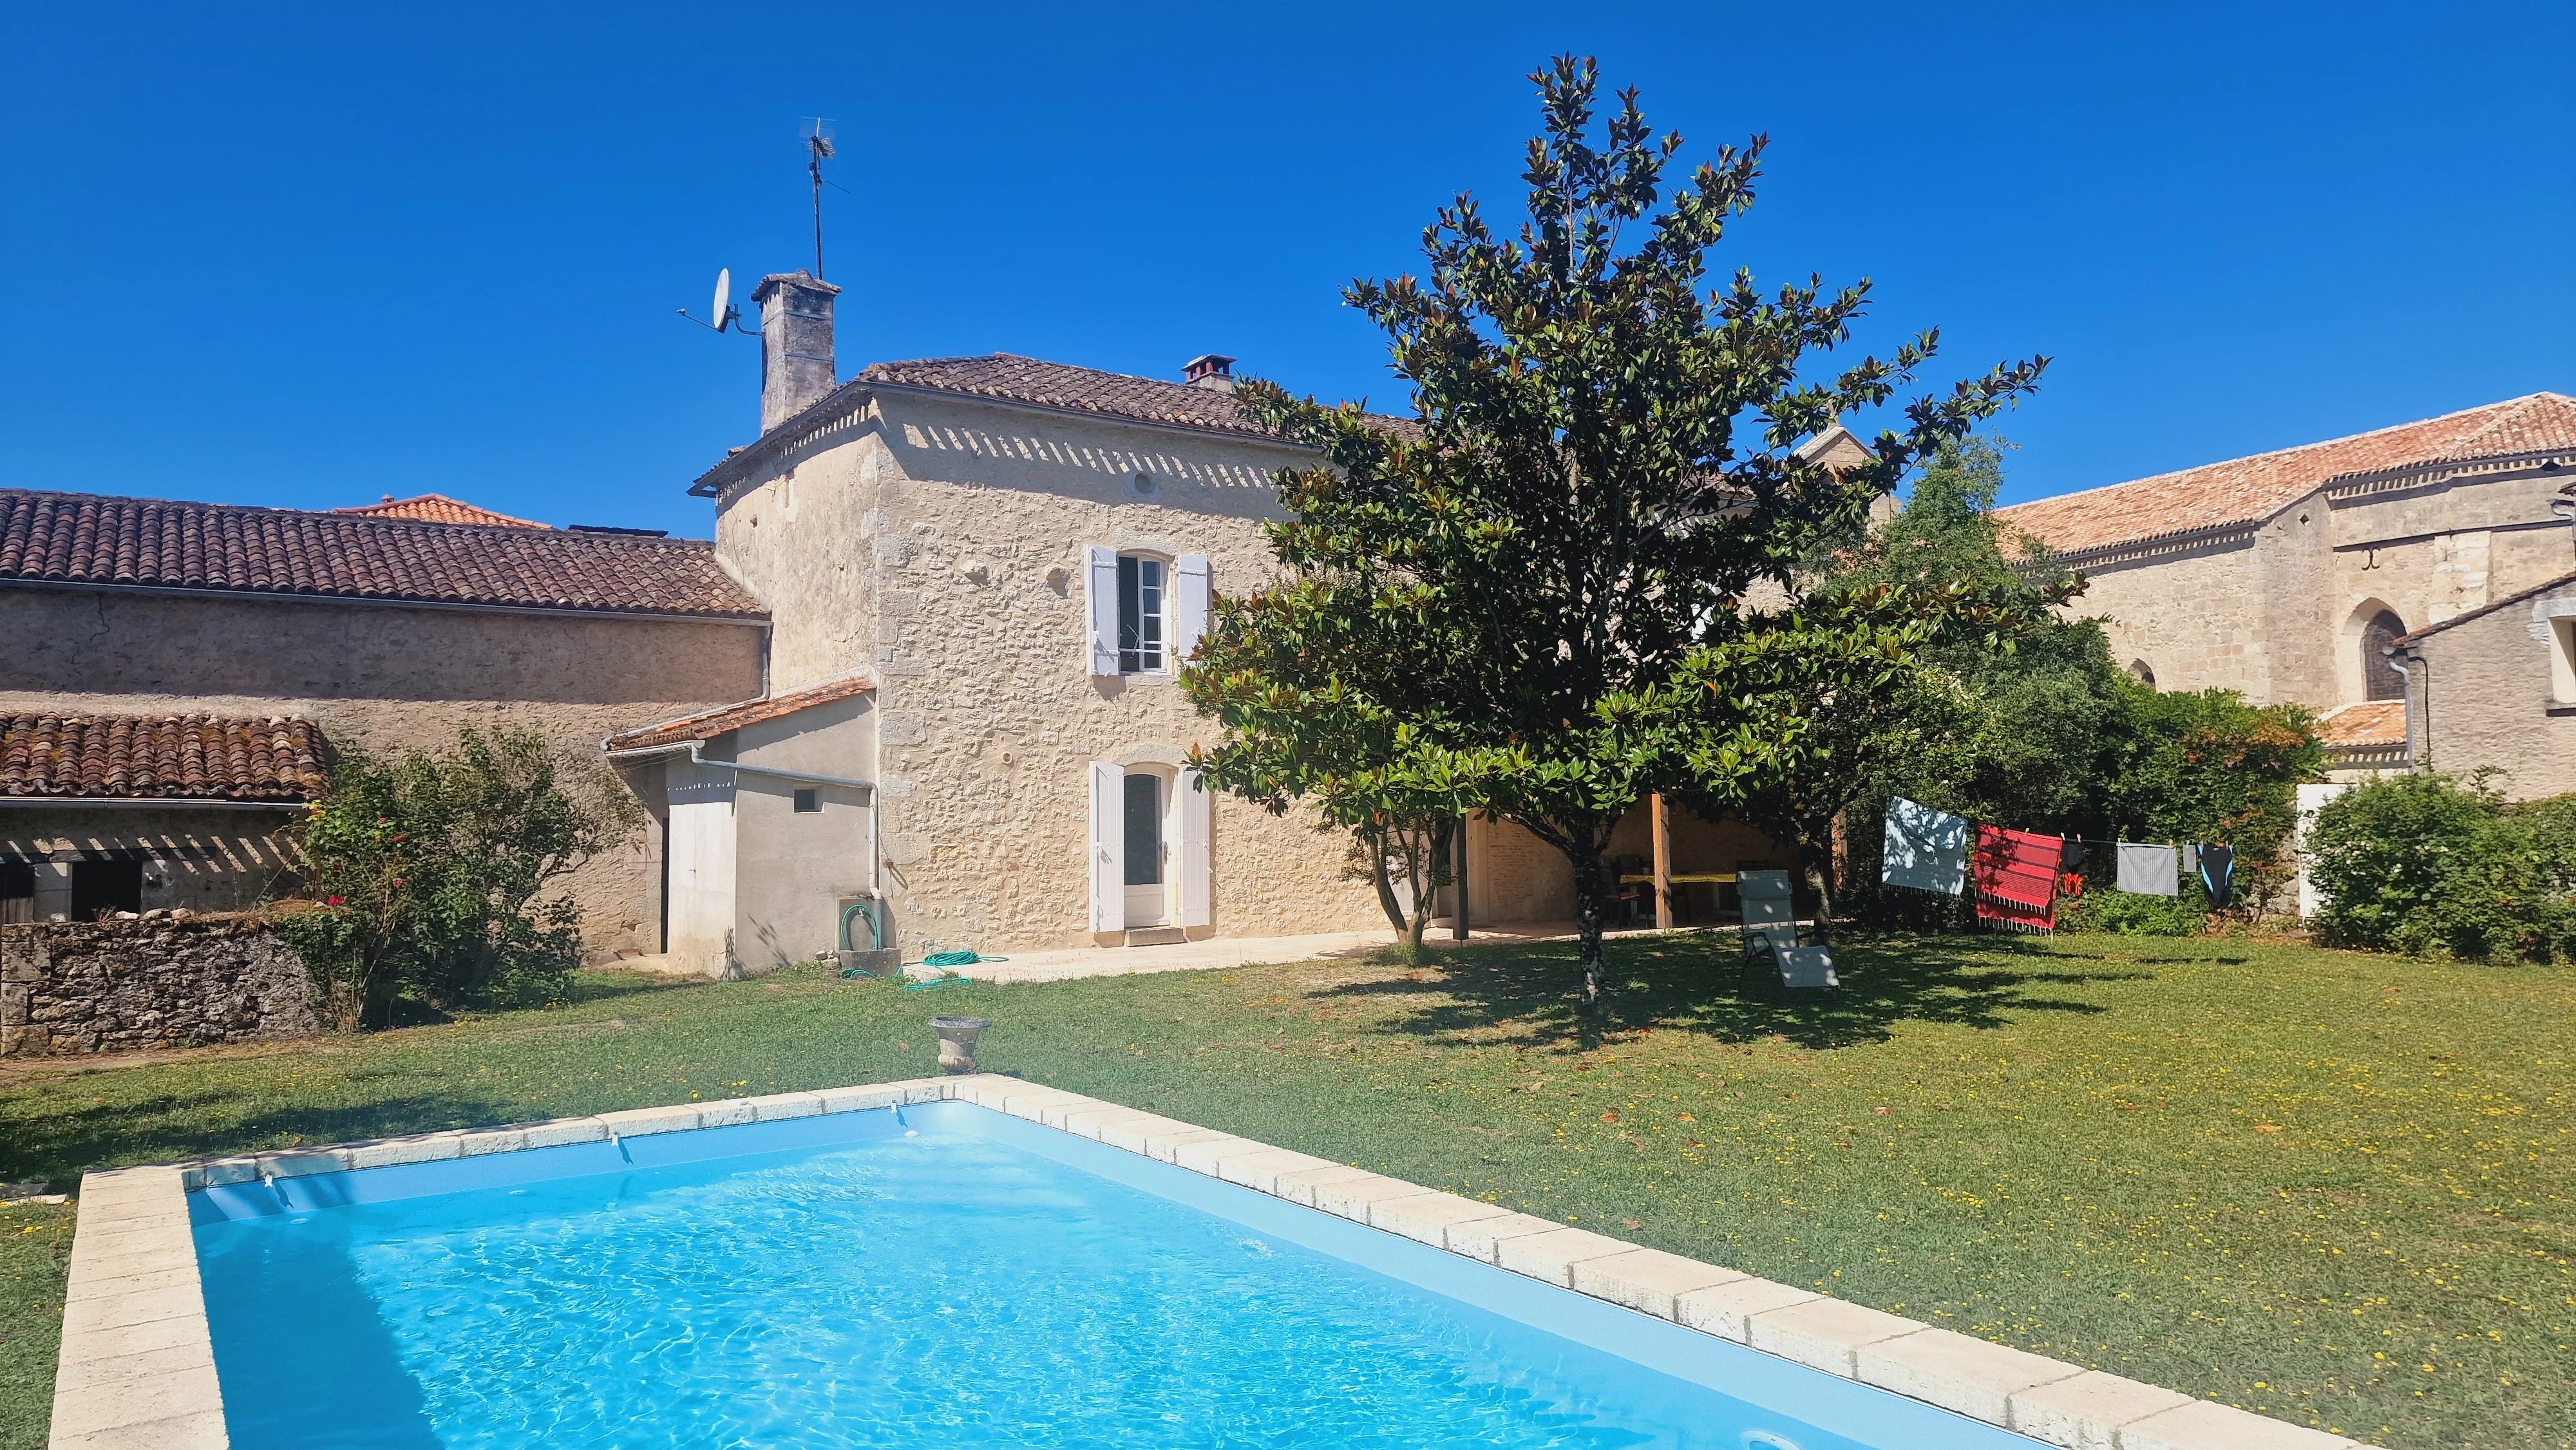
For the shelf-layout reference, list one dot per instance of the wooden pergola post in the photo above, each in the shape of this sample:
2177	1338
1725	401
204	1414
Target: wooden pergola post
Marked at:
1663	862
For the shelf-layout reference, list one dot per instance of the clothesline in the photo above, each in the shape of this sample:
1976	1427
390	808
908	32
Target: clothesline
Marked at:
2020	876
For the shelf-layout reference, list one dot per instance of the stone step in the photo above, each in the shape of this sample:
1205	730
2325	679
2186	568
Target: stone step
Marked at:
1157	936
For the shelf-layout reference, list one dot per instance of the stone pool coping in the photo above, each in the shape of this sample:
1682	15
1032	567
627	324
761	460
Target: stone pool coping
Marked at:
137	1370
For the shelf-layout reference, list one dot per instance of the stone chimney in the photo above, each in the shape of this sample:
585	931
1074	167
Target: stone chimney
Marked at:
1209	370
795	344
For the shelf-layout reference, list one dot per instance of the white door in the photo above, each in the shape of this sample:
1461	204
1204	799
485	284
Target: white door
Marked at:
1147	849
1108	839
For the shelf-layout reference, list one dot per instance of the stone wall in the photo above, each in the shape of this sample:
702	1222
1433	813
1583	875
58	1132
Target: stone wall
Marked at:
159	980
2486	693
387	679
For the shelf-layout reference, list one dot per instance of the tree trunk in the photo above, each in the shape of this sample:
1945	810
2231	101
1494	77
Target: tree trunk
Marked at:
1587	915
1820	880
1434	858
1375	845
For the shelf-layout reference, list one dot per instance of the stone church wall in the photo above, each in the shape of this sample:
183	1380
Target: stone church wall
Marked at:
2485	695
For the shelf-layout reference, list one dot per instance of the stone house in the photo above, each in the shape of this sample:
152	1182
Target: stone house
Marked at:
101	814
981	573
2289	576
368	631
2495	688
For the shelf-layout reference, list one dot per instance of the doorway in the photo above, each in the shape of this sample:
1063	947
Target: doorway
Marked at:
105	886
1148	902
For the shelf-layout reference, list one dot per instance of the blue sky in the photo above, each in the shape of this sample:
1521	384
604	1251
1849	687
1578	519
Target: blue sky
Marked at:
308	257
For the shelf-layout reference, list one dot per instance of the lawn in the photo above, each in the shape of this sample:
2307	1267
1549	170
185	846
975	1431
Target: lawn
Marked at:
2331	1187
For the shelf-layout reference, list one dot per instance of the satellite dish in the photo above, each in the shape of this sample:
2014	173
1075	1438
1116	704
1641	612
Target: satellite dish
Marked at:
723	311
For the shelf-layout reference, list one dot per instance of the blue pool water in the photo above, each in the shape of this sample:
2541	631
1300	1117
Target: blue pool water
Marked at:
950	1276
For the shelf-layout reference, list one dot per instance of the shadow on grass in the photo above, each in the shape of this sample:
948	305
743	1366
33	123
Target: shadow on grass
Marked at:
64	1142
1697	984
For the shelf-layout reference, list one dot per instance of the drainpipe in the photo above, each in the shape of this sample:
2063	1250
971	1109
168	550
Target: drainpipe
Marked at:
2399	665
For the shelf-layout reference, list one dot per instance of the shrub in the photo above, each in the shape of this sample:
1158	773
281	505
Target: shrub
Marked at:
425	875
2428	864
2129	914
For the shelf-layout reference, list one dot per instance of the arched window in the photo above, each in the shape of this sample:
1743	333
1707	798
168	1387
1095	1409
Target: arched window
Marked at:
2143	672
2380	679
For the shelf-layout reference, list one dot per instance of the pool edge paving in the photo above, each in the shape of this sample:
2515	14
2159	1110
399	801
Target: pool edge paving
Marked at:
137	1369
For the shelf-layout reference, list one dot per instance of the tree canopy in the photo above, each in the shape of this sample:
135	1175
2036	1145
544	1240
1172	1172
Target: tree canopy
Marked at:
1537	599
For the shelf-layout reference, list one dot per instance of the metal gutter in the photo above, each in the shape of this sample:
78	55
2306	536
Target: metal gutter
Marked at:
172	802
696	749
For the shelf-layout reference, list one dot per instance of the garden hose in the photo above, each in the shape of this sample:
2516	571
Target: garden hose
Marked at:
876	932
944	961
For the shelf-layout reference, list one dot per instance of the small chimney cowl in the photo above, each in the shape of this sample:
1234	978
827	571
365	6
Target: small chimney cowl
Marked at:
1209	370
796	366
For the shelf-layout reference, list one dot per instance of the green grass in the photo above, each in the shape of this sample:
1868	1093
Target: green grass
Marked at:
2331	1187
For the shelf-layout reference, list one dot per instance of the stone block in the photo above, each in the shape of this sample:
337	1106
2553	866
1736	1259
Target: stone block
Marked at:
140	1274
1054	1113
1163	1146
302	1162
1826	1334
1957	1372
1088	1122
1134	1134
144	1338
1727	1311
1428	1217
96	1371
2086	1411
1031	1101
217	1172
2207	1425
1482	1238
1302	1184
419	1148
777	1107
861	1099
200	1430
556	1132
82	1408
1551	1256
476	1142
84	1312
726	1113
1648	1280
1260	1171
1351	1198
644	1122
983	1089
1207	1155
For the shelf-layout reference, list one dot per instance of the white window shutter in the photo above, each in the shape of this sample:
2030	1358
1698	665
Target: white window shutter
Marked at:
1189	606
1192	808
1100	593
1108	845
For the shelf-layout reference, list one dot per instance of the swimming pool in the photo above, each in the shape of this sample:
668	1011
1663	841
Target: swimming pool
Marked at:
934	1272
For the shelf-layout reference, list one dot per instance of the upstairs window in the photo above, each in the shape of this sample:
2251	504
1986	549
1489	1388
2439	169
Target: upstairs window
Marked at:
1145	612
1140	615
2380	679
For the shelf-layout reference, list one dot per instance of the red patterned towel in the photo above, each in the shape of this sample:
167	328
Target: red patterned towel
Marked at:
2015	878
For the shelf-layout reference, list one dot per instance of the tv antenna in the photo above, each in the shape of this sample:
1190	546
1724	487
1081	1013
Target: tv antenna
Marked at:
726	315
818	149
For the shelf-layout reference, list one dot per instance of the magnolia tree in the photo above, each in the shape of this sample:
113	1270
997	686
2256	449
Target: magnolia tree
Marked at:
1532	602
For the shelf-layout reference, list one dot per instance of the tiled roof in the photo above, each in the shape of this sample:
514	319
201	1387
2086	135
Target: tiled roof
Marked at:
140	757
2372	724
2249	490
70	538
438	508
708	724
1084	390
1060	385
2547	586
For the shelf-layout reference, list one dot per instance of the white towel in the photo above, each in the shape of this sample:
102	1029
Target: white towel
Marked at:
2149	870
1926	849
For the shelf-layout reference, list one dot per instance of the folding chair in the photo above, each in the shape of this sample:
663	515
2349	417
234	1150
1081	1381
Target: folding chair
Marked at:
1771	929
